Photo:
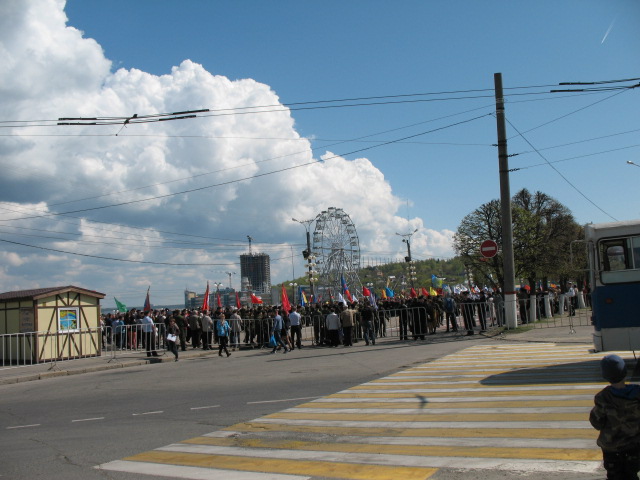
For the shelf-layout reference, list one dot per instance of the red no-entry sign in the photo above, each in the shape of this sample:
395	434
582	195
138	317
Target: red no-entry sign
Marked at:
488	248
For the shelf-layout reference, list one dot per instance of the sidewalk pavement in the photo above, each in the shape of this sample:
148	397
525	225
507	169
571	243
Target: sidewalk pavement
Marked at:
124	359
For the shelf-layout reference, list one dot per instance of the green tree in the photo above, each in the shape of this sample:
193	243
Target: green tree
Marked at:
543	230
481	224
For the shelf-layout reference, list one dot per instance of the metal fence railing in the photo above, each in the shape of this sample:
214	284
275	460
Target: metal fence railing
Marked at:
544	311
22	349
132	338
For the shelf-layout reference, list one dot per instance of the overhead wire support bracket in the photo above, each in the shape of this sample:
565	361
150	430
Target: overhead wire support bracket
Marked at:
135	118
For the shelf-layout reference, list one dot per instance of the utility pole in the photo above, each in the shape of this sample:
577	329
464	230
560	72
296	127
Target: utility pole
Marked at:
406	238
505	210
309	256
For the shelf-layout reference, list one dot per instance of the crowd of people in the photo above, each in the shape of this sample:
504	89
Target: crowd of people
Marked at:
328	324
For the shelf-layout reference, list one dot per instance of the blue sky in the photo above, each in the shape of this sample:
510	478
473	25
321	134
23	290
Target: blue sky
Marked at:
308	51
293	52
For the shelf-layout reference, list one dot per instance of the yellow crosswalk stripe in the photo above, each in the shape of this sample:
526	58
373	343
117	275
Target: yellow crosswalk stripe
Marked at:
293	467
495	393
451	405
488	432
427	417
546	453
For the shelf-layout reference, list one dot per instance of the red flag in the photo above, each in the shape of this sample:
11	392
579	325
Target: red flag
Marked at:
255	299
147	302
424	292
366	292
218	299
413	293
286	306
205	303
238	304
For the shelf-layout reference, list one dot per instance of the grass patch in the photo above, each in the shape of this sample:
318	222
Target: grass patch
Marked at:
519	329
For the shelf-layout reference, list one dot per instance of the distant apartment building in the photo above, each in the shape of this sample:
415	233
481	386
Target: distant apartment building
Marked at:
256	268
196	300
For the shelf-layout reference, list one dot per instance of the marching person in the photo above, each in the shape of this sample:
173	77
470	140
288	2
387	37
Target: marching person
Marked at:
296	328
173	334
332	321
235	322
224	330
207	329
195	324
347	320
149	331
276	331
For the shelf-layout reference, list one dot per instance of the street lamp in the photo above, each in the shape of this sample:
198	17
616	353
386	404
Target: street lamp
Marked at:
406	238
631	163
412	272
308	255
293	291
217	285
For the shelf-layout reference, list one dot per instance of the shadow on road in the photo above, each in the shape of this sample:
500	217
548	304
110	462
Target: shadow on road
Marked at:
578	372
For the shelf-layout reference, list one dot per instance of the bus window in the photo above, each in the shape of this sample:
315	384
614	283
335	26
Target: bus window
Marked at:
635	242
614	255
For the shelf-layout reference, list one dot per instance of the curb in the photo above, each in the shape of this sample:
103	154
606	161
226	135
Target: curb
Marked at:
96	368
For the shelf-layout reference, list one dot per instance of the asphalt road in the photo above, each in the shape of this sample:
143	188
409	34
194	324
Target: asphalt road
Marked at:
61	428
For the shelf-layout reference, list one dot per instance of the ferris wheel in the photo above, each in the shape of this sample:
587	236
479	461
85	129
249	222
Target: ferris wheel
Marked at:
337	249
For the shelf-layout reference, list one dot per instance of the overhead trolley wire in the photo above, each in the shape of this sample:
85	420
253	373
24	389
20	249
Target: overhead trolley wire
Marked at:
560	173
296	106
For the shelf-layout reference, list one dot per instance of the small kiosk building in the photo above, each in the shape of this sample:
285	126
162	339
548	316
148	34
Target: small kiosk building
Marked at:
47	324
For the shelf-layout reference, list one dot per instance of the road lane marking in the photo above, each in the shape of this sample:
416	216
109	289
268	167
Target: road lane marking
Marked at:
561	418
195	473
200	453
433	424
434	439
87	419
203	408
24	426
430	431
285	465
498	410
281	400
148	413
578	454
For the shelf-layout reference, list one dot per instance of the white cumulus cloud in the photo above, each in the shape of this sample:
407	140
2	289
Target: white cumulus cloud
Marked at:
86	190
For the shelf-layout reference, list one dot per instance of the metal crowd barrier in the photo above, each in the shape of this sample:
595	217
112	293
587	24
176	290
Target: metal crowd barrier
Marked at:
546	311
132	338
32	348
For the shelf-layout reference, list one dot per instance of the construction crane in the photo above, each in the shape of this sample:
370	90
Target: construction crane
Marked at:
249	238
230	273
